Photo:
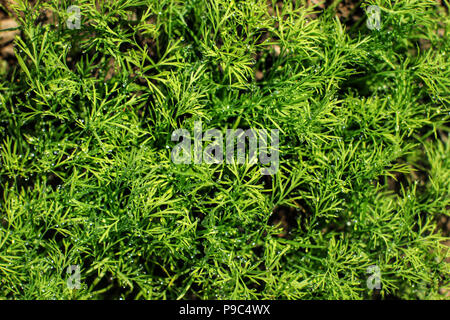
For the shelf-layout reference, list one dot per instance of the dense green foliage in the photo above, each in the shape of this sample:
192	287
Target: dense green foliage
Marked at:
86	117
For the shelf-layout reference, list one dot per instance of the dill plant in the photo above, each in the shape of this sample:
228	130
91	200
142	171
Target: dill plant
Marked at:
86	178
